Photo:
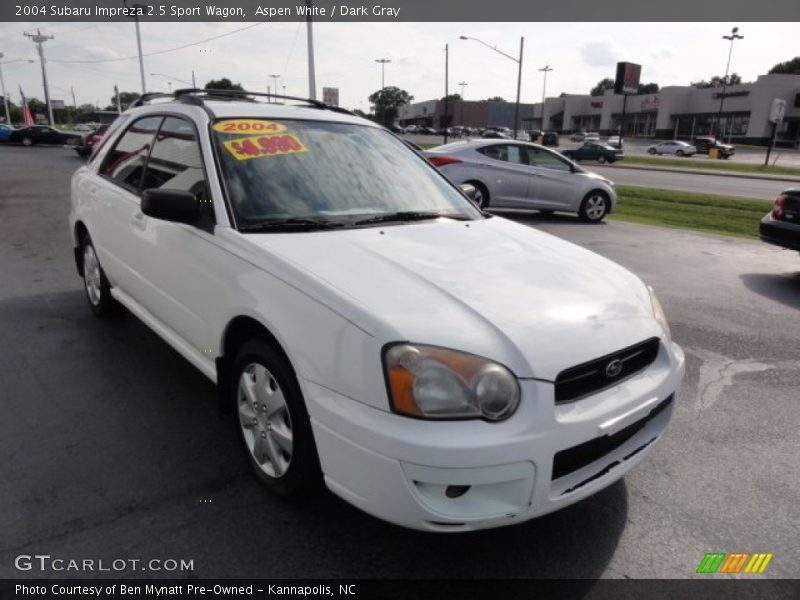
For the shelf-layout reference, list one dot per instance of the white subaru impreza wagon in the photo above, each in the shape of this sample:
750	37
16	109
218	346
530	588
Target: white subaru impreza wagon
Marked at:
367	325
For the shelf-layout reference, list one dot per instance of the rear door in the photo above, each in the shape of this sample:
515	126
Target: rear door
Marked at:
507	173
114	196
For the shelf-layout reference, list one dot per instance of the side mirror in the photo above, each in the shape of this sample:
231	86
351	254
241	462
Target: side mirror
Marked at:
470	191
178	206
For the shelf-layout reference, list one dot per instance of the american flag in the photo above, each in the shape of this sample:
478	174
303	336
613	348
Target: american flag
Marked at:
26	112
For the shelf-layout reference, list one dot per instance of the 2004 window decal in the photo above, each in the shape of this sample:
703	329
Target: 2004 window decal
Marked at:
239	126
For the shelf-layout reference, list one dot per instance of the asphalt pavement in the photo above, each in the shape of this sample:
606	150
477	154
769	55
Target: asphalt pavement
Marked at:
113	446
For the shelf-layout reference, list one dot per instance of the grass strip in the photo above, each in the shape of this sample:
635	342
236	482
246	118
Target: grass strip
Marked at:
723	215
711	165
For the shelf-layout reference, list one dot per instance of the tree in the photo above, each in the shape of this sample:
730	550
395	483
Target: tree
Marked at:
452	98
790	67
223	84
387	103
496	99
648	88
717	81
125	98
602	85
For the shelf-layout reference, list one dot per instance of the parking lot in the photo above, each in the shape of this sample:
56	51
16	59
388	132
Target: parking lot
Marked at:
114	446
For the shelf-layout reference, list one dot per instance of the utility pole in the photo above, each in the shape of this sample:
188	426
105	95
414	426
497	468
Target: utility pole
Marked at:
312	83
144	8
194	85
546	69
463	84
446	87
74	102
382	62
116	99
40	39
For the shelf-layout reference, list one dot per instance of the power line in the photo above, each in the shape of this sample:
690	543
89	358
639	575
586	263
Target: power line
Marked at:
167	51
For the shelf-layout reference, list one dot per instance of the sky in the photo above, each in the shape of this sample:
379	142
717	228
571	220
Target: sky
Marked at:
580	53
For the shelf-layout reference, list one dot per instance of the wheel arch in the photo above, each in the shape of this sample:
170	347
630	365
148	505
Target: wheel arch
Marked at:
80	232
239	330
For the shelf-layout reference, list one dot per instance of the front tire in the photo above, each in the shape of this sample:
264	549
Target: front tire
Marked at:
95	283
482	194
651	151
26	141
273	422
601	159
679	153
595	207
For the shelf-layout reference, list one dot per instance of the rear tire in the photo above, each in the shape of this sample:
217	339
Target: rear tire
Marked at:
272	421
595	206
602	159
26	141
651	151
482	194
95	283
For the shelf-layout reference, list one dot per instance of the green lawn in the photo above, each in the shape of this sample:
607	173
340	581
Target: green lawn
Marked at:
716	165
724	215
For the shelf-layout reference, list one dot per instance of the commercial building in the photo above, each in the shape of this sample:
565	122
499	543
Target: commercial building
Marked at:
675	112
682	112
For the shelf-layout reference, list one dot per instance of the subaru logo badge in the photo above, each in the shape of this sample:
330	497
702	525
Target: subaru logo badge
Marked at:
614	368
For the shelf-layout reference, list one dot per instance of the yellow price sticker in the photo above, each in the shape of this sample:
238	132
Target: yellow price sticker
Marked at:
265	145
248	126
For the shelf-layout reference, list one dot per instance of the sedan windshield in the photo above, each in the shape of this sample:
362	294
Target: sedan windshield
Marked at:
306	174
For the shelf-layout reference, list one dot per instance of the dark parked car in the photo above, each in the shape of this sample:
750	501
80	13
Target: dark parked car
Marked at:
90	140
602	153
549	138
706	143
42	134
781	226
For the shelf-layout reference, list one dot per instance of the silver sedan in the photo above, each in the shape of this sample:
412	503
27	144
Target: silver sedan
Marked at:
672	147
509	174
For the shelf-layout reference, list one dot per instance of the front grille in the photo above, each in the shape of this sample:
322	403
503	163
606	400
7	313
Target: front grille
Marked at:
570	460
595	375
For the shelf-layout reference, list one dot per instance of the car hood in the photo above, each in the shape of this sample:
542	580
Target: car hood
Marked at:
493	287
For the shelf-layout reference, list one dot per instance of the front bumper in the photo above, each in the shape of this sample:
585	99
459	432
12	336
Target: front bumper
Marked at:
469	475
780	233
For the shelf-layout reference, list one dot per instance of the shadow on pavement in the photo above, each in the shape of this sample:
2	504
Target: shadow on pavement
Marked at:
114	446
532	217
783	288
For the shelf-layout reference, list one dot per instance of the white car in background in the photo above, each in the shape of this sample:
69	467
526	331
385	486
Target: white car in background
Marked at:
509	174
675	147
365	323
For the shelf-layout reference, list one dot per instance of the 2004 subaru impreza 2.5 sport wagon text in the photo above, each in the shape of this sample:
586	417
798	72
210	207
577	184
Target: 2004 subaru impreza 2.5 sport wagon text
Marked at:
438	367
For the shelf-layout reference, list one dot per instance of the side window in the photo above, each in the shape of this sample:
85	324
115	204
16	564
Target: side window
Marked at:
175	162
505	152
125	162
542	158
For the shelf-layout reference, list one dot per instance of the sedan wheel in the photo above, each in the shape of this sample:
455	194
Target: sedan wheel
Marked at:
679	153
651	151
26	141
601	159
272	420
594	207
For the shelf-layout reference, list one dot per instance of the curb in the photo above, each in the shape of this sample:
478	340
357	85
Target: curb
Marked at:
712	172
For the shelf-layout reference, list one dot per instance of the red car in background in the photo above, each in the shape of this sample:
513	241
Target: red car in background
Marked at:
90	140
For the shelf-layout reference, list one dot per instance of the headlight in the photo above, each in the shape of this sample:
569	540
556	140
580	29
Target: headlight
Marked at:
659	314
437	383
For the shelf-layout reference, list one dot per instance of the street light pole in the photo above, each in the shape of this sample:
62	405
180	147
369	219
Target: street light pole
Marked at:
519	74
732	38
312	82
546	69
3	83
382	62
462	84
275	80
40	39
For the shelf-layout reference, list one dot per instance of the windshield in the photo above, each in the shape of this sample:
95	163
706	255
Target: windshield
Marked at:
333	173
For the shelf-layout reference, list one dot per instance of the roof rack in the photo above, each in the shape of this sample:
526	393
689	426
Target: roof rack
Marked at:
196	96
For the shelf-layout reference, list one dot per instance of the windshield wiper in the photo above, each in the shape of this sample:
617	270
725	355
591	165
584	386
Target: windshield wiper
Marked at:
289	224
408	215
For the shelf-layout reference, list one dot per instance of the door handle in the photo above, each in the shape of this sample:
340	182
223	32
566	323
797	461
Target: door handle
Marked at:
139	221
